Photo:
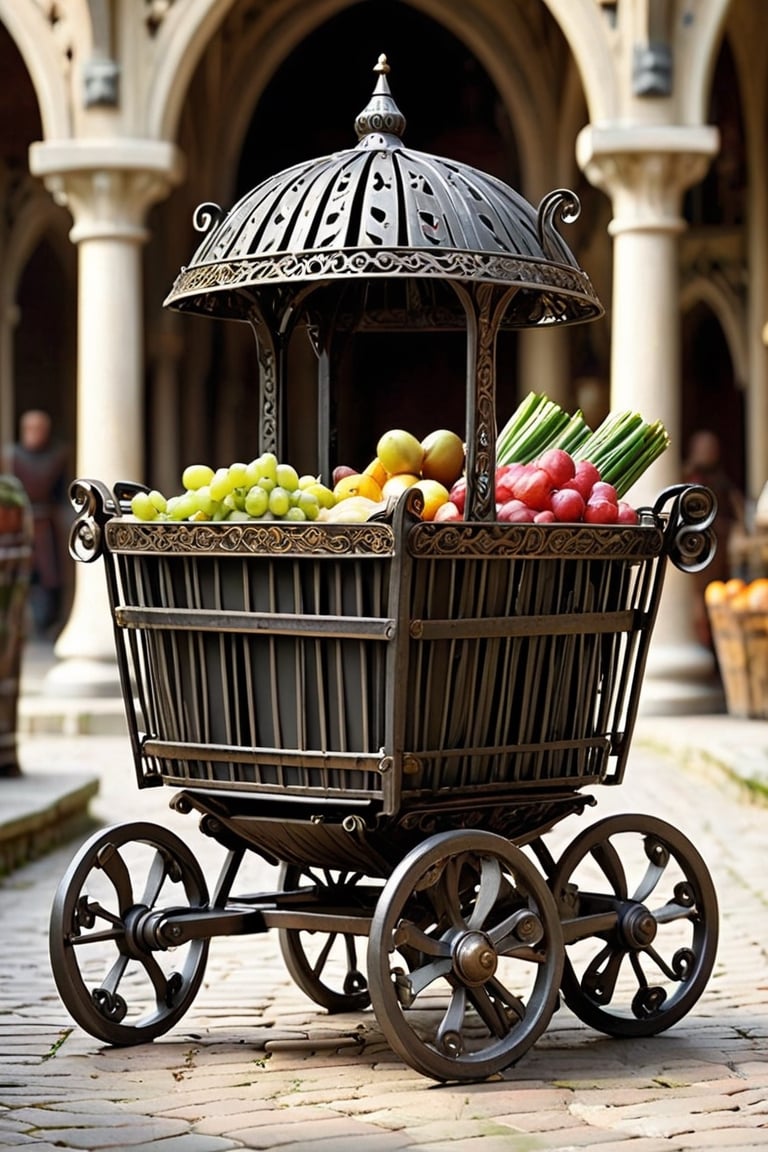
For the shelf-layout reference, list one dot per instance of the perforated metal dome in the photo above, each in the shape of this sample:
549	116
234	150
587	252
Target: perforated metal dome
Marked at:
382	211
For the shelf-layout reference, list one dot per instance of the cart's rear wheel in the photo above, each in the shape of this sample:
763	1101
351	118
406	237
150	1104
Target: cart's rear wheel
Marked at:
325	964
644	951
113	984
465	956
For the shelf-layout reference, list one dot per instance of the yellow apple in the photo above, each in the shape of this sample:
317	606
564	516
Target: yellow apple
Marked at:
443	457
399	451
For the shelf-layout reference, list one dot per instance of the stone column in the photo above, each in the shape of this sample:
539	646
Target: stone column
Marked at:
543	358
108	187
645	171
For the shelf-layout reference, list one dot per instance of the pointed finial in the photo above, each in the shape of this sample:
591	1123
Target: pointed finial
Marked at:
381	116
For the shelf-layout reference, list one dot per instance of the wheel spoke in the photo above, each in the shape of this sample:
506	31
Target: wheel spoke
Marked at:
322	958
511	1002
408	935
672	911
448	1033
155	879
490	1002
488	891
600	976
660	963
422	977
606	856
96	937
115	975
518	933
648	883
112	865
449	889
157	977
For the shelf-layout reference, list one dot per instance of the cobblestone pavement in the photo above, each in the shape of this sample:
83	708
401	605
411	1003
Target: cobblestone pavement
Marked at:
254	1064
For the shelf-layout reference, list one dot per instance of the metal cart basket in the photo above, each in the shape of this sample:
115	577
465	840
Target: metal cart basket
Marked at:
396	713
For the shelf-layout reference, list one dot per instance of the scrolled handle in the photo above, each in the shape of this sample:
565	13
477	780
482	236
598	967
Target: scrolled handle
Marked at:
690	536
94	505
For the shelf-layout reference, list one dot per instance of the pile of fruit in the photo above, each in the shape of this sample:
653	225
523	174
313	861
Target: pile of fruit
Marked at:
265	489
432	465
551	467
738	595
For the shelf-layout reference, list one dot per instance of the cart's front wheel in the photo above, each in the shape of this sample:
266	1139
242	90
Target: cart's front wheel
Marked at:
640	923
465	956
325	965
113	983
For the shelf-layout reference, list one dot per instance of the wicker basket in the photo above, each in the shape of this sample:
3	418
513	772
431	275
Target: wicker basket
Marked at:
741	645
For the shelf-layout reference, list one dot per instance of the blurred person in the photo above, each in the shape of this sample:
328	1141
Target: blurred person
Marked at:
703	465
42	467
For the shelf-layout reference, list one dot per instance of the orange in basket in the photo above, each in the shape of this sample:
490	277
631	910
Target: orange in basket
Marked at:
721	591
757	594
714	593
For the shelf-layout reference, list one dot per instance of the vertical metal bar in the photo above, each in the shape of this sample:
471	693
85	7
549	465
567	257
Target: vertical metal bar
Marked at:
364	647
318	647
274	677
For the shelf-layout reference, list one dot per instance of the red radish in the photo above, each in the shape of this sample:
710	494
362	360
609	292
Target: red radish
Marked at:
568	505
585	475
458	494
447	511
534	488
599	511
559	464
505	486
545	517
604	491
626	514
503	470
515	512
508	472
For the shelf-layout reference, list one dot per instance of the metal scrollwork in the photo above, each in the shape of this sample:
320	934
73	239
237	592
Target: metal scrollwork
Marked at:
94	506
207	216
565	204
690	535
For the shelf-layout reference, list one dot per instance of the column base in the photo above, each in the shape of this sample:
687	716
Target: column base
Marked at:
681	680
81	678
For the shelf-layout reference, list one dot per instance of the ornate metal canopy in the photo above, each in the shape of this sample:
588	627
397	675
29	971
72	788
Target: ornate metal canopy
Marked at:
380	237
383	211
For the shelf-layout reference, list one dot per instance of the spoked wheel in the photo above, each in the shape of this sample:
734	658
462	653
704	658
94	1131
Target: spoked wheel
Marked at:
112	982
465	956
325	964
640	923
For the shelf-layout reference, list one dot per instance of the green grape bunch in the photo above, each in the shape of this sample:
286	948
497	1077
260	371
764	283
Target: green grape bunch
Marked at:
265	489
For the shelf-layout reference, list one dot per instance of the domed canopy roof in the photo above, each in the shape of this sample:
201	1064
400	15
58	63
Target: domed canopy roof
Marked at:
380	210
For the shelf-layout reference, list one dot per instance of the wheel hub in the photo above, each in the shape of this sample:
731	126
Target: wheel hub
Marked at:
474	958
638	926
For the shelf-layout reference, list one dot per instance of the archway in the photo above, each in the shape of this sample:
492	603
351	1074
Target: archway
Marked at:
711	397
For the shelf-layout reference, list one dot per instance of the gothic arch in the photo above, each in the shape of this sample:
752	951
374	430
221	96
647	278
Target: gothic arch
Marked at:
724	302
182	43
39	221
47	52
